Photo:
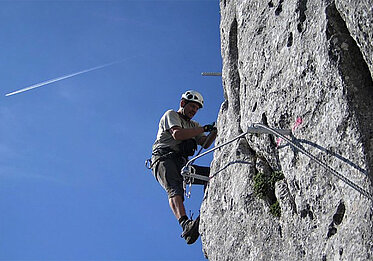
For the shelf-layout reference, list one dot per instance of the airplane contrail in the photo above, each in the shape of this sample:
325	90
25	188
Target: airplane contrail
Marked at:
62	78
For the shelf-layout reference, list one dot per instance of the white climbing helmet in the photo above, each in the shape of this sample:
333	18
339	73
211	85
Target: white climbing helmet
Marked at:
193	96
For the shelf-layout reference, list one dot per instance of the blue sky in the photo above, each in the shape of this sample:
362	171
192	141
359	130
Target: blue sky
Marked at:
73	185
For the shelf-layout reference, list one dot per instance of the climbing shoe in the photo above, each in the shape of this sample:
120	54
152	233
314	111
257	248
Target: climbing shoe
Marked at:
190	231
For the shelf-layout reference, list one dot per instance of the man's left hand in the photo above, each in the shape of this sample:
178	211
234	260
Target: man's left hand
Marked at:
209	127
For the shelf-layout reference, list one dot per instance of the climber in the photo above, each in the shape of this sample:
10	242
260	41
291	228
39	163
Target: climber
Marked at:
177	138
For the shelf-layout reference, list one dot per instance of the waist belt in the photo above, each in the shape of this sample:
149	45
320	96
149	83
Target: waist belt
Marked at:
161	154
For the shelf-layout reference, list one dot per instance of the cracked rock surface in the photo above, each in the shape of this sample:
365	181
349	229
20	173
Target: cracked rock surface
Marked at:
285	60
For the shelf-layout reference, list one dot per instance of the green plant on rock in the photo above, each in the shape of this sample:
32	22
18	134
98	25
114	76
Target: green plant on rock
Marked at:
275	176
260	185
275	209
264	188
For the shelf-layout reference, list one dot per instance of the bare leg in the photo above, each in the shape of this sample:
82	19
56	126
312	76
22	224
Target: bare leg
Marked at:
190	228
177	206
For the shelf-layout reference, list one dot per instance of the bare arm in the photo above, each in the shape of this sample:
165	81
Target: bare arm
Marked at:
179	133
208	139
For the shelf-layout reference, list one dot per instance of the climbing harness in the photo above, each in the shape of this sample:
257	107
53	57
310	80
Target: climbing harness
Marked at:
188	172
186	148
149	163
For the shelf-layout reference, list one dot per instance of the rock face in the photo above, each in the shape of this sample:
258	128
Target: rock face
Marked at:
285	60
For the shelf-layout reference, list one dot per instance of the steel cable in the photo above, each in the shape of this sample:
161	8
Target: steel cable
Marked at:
334	172
189	174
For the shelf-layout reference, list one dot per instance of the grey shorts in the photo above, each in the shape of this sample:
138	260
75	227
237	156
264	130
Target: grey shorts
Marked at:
168	173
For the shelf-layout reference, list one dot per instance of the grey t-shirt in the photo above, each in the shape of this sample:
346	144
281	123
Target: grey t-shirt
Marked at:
171	119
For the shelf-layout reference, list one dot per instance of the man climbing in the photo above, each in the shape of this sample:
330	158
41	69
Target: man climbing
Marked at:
177	138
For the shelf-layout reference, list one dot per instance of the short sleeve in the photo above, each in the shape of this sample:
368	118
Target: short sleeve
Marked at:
171	119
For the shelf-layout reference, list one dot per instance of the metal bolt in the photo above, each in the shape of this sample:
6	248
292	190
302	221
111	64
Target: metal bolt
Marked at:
211	74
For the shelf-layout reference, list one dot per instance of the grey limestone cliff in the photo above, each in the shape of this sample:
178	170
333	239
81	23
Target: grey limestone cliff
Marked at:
285	60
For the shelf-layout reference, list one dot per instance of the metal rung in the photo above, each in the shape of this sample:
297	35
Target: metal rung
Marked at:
196	176
189	172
